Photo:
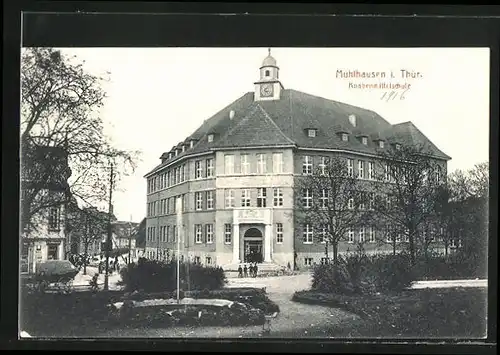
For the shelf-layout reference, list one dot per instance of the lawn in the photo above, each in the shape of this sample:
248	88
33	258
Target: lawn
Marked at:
89	314
423	313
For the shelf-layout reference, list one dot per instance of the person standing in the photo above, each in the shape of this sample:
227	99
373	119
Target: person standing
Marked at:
250	270
240	272
255	269
245	271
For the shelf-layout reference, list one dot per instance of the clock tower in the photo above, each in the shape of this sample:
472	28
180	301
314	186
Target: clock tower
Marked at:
268	87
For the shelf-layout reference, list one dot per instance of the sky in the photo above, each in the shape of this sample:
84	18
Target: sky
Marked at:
159	96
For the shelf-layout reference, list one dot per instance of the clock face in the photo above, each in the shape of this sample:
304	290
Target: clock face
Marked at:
266	90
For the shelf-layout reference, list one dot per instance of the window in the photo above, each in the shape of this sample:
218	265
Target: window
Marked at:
388	234
183	148
164	234
361	174
387	174
227	233
308	261
198	201
198	170
307	198
277	163
438	174
229	198
197	260
362	234
388	201
350	235
324	233
208	260
261	197
279	233
245	198
323	161
210	233
362	200
245	164
324	198
184	203
350	167
371	200
210	138
210	200
308	234
167	239
364	140
169	179
229	164
191	144
278	197
267	73
311	133
307	165
371	170
261	164
381	144
210	167
197	233
350	203
174	233
345	137
398	237
183	173
371	235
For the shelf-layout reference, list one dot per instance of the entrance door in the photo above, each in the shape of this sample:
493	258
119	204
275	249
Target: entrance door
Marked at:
253	251
52	252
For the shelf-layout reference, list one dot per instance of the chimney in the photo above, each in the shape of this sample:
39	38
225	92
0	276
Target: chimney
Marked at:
352	120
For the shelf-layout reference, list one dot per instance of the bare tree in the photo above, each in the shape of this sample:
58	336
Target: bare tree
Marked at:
410	177
331	201
59	110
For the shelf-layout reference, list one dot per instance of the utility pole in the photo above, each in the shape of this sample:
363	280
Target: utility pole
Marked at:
108	239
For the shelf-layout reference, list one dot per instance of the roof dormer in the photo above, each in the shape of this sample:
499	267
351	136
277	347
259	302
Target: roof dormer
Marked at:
343	135
311	132
210	137
192	142
363	138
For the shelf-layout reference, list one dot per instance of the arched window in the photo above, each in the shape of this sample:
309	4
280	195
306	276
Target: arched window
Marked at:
267	73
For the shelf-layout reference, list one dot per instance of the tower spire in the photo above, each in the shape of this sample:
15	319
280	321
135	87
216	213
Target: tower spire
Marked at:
269	51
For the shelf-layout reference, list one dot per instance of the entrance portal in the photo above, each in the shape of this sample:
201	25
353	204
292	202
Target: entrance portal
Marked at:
253	246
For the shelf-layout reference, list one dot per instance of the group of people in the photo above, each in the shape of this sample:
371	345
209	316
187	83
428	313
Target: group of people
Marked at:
114	265
248	271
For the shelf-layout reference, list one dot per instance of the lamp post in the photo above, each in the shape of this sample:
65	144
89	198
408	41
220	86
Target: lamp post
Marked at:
108	239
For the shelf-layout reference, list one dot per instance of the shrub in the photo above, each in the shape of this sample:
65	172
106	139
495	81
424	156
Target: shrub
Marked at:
157	276
453	266
360	274
391	272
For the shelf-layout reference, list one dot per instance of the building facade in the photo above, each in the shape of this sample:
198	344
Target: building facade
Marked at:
43	234
236	175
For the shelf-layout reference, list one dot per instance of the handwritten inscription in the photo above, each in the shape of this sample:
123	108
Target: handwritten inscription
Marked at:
391	84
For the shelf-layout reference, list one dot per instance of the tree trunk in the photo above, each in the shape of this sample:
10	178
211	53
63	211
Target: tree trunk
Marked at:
412	246
394	246
326	250
85	258
335	248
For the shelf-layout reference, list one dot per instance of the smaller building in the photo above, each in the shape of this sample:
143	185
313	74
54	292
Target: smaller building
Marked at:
122	238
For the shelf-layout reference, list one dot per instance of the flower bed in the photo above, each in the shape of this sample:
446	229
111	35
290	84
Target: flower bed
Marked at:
192	312
253	297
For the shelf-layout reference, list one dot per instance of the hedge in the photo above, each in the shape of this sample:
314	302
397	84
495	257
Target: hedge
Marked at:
158	276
